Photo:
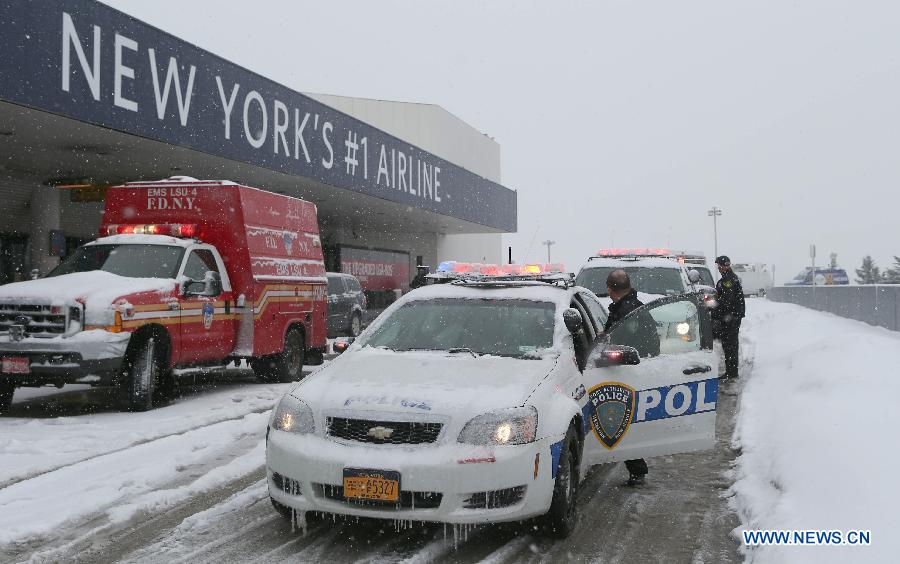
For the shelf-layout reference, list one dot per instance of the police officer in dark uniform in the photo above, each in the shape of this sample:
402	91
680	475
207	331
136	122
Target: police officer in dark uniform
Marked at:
419	280
625	300
728	313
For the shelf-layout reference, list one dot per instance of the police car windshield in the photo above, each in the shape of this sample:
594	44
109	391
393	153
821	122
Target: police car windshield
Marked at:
515	328
133	261
650	280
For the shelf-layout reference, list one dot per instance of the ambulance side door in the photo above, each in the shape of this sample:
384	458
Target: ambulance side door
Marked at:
652	383
207	326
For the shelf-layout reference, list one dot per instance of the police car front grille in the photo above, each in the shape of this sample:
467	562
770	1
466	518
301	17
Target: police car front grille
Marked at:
495	499
384	432
41	321
285	484
408	500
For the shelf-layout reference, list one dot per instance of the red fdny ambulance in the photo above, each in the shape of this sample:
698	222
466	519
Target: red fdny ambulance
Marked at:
186	277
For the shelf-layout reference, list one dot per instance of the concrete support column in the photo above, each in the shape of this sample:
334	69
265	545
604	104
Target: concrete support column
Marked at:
44	208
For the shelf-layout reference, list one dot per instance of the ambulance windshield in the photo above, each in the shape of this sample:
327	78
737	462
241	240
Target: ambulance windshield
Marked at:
133	261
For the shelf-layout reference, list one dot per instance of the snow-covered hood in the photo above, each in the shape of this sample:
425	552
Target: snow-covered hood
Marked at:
96	289
422	382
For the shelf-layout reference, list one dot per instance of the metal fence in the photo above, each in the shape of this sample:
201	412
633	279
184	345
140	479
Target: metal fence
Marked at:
876	305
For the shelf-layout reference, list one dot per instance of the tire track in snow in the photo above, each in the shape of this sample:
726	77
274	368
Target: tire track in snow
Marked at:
136	443
112	490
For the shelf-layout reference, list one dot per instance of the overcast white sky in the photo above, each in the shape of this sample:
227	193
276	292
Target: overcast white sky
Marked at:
621	123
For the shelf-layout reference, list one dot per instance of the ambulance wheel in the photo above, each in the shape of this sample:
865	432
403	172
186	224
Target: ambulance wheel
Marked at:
141	373
355	325
560	521
287	366
7	389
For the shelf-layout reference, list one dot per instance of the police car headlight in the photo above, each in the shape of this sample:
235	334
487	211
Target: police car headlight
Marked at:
506	427
293	416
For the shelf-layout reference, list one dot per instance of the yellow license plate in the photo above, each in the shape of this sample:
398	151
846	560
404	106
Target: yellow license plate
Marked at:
377	485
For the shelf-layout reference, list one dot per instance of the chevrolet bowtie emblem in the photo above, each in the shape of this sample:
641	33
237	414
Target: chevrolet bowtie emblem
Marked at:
380	433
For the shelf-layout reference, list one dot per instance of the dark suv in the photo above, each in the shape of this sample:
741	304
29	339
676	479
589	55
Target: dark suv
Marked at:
346	305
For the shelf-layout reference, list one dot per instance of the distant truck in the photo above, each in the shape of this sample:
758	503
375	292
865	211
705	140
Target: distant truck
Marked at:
825	276
756	280
187	276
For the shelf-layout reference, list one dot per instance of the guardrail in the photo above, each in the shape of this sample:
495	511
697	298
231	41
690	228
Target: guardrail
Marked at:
876	305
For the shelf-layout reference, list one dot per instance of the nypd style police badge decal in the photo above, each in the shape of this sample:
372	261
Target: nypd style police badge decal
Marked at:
612	411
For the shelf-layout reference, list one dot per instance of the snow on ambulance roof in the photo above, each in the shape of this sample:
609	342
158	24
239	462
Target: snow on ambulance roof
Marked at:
130	239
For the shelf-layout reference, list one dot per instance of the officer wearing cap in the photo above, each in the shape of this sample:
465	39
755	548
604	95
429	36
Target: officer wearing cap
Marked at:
419	280
728	313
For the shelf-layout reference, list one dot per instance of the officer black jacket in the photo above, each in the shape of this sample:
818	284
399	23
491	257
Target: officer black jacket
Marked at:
639	332
730	298
621	308
418	281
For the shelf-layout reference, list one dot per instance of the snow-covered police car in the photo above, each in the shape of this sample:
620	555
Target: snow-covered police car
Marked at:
486	399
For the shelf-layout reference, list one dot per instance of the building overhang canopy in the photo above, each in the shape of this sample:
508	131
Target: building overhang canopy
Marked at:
89	92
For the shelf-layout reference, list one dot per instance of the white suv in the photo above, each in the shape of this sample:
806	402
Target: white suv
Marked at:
653	277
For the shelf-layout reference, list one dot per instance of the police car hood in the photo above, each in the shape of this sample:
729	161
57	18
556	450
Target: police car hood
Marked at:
96	289
423	382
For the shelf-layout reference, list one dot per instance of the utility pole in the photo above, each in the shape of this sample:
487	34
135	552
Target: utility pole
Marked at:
715	212
548	242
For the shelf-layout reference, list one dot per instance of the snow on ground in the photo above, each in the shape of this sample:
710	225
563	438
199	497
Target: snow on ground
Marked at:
817	426
113	465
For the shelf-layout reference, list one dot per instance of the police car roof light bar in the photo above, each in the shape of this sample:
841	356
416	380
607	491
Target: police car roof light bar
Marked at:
465	272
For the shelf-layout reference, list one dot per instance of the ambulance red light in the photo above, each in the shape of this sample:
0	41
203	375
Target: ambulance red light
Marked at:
187	230
462	267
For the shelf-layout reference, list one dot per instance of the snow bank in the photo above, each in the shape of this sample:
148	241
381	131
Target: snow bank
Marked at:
817	428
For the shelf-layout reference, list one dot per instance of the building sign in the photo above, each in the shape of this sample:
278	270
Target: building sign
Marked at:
376	270
87	61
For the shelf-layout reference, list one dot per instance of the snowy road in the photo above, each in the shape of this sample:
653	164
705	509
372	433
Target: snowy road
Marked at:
81	482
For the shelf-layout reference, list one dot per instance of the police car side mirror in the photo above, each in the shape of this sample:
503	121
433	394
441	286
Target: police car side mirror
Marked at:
617	355
572	319
693	276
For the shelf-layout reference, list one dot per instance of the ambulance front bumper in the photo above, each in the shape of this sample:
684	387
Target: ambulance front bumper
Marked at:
92	357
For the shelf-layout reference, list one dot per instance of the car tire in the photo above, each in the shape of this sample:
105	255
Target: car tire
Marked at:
7	390
560	520
355	325
286	366
141	374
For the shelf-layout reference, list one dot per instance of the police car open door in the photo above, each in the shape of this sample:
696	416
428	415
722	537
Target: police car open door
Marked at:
652	384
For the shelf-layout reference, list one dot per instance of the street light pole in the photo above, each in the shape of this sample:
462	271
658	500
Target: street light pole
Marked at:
715	212
548	242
